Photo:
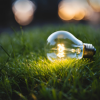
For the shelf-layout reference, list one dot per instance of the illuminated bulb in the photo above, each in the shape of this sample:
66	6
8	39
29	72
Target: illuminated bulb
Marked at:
62	45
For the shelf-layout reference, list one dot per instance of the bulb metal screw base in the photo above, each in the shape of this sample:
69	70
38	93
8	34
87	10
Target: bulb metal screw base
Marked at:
88	50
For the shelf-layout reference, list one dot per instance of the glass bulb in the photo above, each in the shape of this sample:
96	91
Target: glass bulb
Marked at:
62	45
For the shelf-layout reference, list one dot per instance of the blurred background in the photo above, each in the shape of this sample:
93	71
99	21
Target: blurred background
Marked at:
26	13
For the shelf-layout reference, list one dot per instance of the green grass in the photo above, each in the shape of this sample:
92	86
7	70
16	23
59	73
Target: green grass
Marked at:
26	73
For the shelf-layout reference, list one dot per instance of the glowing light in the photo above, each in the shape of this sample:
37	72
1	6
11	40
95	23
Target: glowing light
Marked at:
79	10
73	50
23	11
79	15
72	9
65	12
61	49
78	51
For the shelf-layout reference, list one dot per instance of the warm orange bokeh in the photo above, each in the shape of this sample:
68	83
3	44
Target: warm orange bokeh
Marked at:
68	10
79	13
77	10
23	11
65	12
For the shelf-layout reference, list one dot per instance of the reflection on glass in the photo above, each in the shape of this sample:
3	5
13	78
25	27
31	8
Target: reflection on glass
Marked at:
63	45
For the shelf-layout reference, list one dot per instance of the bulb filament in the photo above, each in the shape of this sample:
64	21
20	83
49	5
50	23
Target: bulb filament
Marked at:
61	49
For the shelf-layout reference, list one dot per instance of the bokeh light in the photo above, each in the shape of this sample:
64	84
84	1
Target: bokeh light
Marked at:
23	11
77	10
65	12
73	9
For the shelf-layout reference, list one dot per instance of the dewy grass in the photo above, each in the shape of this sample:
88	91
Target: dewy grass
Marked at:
26	73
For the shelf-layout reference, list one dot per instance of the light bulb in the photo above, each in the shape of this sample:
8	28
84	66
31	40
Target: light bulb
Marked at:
62	45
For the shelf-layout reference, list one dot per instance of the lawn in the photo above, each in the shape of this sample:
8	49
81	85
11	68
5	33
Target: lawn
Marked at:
26	73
